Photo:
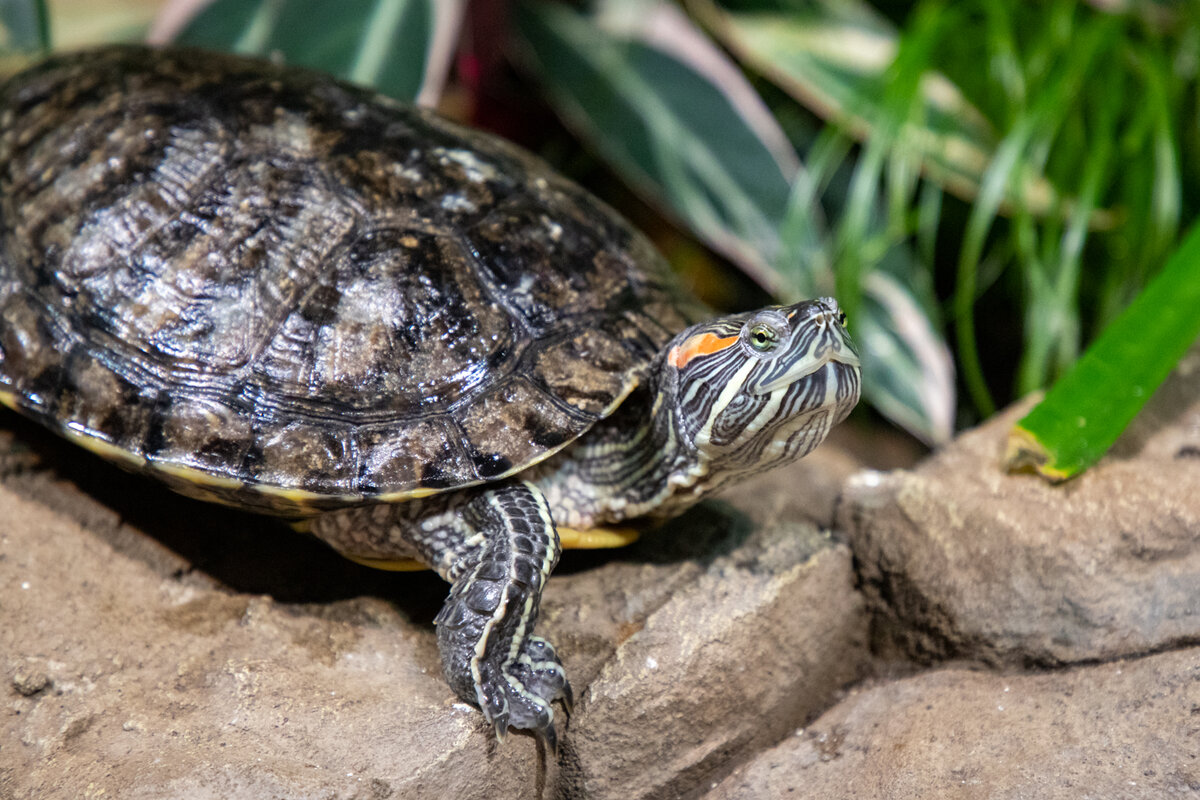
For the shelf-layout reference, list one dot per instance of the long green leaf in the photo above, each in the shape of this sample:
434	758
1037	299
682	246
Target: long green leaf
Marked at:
386	44
1084	412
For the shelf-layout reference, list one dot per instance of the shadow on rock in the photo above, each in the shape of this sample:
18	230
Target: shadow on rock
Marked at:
247	553
701	535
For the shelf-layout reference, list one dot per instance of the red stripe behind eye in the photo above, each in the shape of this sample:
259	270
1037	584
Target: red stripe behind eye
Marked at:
702	344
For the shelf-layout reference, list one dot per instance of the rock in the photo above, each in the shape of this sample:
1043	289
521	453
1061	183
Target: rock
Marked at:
960	559
132	684
15	456
1128	729
760	641
156	646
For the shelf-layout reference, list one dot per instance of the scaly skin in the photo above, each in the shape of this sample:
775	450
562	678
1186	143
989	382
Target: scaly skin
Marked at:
726	399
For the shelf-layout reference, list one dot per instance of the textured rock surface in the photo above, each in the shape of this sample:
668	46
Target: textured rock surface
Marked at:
961	559
122	679
154	646
731	661
1127	729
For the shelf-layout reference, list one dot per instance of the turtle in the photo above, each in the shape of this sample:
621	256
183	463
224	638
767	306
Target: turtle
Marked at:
278	291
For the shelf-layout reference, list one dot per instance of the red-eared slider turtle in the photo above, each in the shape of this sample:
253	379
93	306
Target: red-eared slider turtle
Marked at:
276	291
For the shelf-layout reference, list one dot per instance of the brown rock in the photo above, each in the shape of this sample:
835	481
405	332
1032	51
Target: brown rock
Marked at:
131	684
961	559
1129	729
760	640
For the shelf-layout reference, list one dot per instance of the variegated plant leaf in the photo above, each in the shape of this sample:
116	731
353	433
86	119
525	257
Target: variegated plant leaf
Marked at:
675	118
403	48
24	27
908	372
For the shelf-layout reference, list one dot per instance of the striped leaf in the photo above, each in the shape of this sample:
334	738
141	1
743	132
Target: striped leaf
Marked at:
908	374
402	48
675	118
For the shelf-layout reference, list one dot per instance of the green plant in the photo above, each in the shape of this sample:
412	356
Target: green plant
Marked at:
1059	130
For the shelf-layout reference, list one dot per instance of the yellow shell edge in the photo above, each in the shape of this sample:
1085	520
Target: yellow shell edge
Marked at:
103	448
301	498
388	564
192	475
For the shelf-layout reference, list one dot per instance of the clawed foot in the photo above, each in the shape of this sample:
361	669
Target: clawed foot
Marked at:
521	696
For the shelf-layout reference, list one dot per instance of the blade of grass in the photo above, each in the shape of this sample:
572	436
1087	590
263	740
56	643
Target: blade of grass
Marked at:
1026	146
1052	340
1085	411
834	55
804	249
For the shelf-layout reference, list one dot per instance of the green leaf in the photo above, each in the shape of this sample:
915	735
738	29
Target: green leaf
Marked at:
664	106
24	27
400	47
1088	408
835	57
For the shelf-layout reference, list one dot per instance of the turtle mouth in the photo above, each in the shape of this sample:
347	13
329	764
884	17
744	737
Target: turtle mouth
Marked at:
809	364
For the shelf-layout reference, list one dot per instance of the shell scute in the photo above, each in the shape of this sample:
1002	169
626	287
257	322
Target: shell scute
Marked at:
513	423
428	453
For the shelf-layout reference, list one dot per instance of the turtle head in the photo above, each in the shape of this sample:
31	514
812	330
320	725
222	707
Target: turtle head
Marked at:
759	389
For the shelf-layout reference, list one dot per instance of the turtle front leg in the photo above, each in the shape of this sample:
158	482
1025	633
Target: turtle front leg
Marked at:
496	545
489	656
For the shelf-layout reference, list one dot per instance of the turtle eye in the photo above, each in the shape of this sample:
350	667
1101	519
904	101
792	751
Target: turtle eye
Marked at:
763	337
842	318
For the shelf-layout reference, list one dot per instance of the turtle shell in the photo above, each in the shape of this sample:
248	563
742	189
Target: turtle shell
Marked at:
283	292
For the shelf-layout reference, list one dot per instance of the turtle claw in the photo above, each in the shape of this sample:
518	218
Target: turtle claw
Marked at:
543	673
520	694
524	710
568	697
548	737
